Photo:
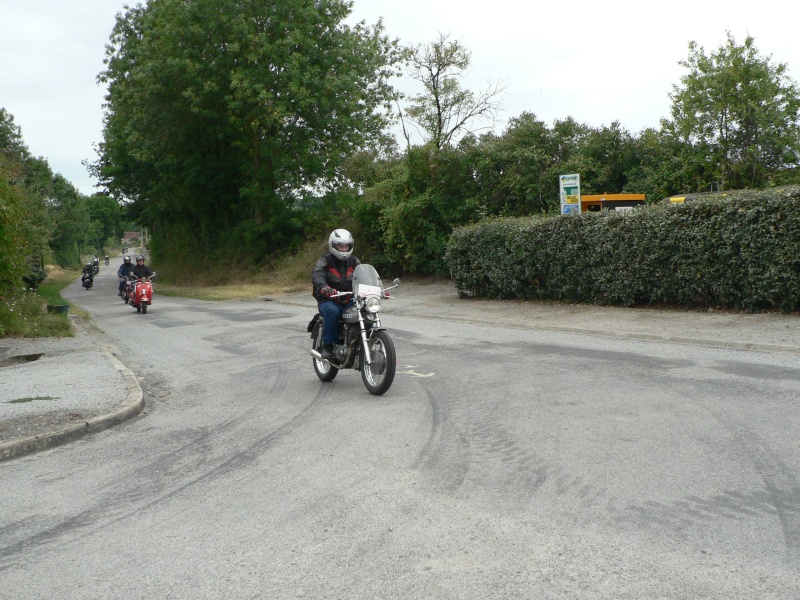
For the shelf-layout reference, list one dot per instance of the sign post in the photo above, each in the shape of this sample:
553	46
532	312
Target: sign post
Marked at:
570	188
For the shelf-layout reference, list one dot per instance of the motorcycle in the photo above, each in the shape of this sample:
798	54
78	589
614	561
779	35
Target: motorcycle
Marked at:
106	261
127	288
364	344
141	295
87	280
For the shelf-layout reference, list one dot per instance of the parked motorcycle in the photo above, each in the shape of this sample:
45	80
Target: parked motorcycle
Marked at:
142	294
364	344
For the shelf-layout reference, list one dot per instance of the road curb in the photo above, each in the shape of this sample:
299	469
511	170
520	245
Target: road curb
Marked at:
133	406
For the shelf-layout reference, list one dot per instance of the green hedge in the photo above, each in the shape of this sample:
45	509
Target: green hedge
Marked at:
737	250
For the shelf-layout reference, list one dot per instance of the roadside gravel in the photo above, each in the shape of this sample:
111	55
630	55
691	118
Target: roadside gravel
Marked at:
49	384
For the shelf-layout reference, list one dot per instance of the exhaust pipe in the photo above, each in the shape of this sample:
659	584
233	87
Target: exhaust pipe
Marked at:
315	354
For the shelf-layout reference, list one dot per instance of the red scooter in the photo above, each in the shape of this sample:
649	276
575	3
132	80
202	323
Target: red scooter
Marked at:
142	294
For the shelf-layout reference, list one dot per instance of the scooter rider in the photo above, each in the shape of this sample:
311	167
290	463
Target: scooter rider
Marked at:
124	270
141	270
332	274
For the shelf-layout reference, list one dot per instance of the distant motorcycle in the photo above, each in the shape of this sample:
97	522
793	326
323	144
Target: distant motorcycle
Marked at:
364	345
87	280
142	294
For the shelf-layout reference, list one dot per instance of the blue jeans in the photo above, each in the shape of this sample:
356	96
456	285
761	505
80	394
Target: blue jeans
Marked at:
331	313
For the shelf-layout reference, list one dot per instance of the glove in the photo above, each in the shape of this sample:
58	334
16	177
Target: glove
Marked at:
328	291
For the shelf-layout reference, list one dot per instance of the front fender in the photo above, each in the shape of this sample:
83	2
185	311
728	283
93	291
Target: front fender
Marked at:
372	330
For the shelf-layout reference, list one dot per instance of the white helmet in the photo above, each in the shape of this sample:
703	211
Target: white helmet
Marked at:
341	236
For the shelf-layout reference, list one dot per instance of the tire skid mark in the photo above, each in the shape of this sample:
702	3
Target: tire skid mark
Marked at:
192	453
498	452
779	498
163	472
496	458
781	486
446	454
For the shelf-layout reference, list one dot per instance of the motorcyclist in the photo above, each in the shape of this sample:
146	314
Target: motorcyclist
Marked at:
141	270
332	274
124	270
106	259
88	272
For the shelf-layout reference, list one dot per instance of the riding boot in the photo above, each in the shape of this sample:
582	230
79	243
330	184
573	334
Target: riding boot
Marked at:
327	352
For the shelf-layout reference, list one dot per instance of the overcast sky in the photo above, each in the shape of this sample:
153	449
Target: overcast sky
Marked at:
597	62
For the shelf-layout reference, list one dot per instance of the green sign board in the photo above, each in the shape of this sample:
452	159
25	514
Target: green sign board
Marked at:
570	189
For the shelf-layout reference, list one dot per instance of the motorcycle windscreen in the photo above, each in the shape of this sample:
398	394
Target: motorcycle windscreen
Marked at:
366	278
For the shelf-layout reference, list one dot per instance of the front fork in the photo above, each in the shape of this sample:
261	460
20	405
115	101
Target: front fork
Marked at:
364	340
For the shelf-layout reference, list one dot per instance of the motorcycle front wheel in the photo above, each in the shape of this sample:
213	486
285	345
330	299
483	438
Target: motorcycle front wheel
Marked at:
322	368
379	375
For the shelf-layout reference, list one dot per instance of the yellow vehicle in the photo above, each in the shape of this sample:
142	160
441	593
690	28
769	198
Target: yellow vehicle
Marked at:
681	198
598	202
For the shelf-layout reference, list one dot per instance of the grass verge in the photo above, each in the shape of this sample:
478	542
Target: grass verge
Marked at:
292	274
24	313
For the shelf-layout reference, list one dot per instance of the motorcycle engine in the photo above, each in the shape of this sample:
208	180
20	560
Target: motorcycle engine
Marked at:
339	352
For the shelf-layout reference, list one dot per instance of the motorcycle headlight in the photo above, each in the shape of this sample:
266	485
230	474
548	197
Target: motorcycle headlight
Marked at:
373	304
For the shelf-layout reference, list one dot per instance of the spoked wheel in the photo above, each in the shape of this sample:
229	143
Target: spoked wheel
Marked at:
323	368
378	376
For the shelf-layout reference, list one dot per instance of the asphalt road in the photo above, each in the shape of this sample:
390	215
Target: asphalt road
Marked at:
505	462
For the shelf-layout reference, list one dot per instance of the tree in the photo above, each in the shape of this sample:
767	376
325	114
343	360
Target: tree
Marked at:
105	214
11	142
445	111
221	114
26	221
14	241
608	155
740	110
74	234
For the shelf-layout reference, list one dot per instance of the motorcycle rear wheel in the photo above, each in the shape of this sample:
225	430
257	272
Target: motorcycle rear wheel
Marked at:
378	376
144	308
323	368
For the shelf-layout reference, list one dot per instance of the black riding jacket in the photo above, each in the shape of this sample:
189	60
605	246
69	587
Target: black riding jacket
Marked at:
332	272
142	271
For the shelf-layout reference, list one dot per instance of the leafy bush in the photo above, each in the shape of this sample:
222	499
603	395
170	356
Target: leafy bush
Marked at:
741	251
